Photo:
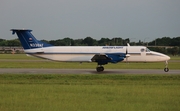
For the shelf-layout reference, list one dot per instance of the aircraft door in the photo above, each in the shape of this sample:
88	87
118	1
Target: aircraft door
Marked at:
143	54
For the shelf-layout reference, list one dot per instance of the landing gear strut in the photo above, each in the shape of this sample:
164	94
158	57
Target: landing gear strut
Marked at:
166	69
99	68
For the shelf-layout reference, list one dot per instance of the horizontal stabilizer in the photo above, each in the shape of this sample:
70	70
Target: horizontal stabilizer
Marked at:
16	30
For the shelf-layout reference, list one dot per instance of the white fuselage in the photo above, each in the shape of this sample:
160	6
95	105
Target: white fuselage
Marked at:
85	53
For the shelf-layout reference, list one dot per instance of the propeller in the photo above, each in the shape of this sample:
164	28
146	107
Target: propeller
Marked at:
127	55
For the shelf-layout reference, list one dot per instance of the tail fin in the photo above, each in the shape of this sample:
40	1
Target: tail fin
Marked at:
27	40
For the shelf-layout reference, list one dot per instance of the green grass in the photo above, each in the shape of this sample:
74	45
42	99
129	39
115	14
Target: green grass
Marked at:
76	65
175	57
17	57
54	92
23	61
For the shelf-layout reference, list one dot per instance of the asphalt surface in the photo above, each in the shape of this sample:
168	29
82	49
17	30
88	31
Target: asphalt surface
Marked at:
85	71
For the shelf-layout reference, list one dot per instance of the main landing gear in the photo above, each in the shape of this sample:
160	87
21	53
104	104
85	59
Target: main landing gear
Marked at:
166	69
99	68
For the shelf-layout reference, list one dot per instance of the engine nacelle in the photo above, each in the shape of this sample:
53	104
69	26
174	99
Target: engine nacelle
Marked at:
115	58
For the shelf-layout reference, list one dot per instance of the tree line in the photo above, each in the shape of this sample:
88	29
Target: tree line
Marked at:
116	41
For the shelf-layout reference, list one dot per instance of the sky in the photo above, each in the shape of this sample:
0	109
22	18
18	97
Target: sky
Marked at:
143	20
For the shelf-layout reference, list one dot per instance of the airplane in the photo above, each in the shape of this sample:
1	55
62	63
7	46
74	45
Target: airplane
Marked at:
102	55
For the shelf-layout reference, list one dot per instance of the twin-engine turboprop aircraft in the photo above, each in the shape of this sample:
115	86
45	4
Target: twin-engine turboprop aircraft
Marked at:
100	54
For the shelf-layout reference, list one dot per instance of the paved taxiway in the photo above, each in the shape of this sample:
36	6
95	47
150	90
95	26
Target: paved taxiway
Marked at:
85	71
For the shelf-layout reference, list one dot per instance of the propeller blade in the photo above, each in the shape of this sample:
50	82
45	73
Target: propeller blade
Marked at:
127	55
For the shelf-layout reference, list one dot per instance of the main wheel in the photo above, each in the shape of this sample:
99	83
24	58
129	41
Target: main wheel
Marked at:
99	69
166	69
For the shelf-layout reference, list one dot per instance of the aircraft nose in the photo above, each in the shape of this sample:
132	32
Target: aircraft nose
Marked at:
160	56
168	58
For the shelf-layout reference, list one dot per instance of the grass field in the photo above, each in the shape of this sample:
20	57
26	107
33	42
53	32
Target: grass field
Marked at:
54	92
87	92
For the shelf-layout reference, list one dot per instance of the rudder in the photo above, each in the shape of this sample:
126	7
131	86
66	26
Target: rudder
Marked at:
27	40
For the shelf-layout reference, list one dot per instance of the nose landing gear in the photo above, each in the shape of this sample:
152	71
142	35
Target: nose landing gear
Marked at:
166	69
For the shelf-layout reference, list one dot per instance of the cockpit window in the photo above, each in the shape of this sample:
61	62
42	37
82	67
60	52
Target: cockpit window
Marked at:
142	50
147	50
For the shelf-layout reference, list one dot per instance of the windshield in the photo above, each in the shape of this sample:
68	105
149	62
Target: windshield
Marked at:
147	50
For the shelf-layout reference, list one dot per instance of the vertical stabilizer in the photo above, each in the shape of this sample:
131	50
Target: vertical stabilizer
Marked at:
27	40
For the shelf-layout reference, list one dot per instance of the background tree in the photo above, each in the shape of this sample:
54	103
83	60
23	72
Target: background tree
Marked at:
3	42
174	51
175	41
78	42
104	42
14	42
89	41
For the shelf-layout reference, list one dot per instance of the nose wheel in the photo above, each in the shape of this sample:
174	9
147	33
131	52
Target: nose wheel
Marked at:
166	69
99	68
